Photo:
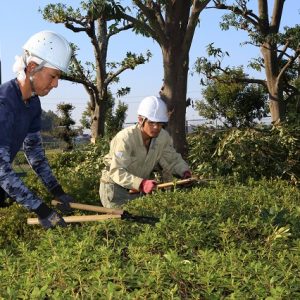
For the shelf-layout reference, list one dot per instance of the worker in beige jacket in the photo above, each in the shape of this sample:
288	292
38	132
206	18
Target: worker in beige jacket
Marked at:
135	152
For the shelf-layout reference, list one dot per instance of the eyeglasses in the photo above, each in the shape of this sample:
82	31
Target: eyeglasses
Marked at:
157	124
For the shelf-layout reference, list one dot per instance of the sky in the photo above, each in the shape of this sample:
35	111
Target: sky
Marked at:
20	19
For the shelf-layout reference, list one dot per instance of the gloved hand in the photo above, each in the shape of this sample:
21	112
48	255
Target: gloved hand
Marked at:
48	217
64	198
147	186
186	174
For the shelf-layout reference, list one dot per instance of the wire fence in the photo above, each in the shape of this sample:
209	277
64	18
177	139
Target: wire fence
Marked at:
192	124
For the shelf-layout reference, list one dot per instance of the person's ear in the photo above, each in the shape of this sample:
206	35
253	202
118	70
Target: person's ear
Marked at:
140	120
31	66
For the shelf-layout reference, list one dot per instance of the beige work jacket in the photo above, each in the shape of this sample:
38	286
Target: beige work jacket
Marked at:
128	161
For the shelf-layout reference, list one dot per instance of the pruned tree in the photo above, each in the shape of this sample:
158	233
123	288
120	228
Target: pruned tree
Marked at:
64	130
171	23
99	20
279	50
238	104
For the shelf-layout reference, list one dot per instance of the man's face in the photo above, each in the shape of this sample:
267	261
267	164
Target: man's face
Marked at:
152	129
45	80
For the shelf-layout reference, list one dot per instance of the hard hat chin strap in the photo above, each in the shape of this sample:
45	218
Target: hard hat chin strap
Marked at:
143	119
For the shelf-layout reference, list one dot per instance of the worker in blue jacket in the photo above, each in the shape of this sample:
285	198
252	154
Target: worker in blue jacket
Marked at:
46	55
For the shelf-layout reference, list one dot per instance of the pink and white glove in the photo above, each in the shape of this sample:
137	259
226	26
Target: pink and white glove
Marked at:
147	186
187	174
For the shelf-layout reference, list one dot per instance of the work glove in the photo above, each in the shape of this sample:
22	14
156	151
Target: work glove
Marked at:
187	174
147	186
48	217
64	198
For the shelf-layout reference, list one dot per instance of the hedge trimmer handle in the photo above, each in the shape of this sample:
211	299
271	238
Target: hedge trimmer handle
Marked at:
113	213
169	184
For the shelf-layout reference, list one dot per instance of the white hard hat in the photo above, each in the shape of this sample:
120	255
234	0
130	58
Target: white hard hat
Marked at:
50	47
154	109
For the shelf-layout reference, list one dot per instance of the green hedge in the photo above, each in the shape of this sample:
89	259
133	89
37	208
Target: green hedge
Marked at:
227	239
222	241
261	152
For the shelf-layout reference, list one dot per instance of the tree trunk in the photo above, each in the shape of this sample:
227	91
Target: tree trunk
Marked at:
174	93
95	124
98	122
276	108
274	83
100	50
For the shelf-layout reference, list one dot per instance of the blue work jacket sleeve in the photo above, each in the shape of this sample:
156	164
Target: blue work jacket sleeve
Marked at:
36	158
13	185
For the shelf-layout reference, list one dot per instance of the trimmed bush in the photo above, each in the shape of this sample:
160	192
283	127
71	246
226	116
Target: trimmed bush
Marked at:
247	153
218	242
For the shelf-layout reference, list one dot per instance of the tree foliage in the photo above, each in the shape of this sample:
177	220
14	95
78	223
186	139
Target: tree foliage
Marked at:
100	21
115	119
48	120
236	104
293	106
279	50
